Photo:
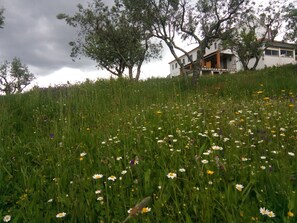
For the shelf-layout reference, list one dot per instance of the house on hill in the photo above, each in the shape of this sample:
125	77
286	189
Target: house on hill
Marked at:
220	60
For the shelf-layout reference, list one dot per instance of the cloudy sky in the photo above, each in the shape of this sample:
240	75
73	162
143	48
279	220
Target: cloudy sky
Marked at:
33	33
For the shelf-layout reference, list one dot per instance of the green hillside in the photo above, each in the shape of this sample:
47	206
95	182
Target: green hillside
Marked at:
216	152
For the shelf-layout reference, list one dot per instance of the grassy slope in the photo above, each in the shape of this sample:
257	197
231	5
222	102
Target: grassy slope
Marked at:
167	126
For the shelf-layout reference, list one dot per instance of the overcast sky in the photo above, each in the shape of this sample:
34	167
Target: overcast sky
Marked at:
34	34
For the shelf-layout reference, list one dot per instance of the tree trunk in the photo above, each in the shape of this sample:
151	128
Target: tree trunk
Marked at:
256	63
130	72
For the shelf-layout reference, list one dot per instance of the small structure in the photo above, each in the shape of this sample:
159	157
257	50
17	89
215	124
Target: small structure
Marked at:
219	60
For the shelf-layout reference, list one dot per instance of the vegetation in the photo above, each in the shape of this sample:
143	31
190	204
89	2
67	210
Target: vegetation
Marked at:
291	17
14	76
111	38
222	152
1	17
253	33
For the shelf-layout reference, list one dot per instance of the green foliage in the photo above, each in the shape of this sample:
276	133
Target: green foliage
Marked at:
1	18
111	38
291	17
232	130
14	76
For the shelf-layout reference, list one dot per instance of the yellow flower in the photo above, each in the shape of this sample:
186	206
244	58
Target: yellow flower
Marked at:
145	210
291	105
266	98
259	92
158	112
210	172
290	214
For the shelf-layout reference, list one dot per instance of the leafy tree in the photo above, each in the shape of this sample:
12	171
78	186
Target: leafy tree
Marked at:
160	19
111	38
1	18
291	17
253	33
14	77
202	22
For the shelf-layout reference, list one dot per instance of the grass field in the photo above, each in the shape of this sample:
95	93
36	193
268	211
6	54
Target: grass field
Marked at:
224	151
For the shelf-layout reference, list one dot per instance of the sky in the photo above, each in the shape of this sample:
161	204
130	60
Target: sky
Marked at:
33	33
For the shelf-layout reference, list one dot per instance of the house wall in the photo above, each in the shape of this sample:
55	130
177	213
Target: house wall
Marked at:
213	47
273	60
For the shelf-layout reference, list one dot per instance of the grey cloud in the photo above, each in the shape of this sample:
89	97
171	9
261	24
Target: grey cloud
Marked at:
34	34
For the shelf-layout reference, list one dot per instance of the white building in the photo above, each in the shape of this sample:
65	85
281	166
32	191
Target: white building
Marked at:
219	60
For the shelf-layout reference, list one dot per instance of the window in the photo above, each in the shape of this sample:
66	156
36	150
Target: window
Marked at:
286	53
184	61
175	65
215	45
172	67
191	58
271	52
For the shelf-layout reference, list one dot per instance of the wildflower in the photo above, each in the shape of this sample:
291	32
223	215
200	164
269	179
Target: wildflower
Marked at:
112	178
50	200
244	159
263	167
124	172
97	176
262	157
216	148
210	172
263	211
291	105
97	191
239	187
204	161
270	214
83	154
158	112
291	154
145	210
100	199
266	98
290	214
182	170
119	158
61	215
7	218
171	175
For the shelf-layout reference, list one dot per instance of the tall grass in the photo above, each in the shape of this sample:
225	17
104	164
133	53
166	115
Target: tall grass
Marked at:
214	153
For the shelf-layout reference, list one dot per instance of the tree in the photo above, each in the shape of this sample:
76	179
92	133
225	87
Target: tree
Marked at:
253	33
14	77
1	18
111	38
291	27
202	22
160	19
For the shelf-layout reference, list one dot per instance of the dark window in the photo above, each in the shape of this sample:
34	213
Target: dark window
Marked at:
175	65
271	52
287	53
172	66
184	61
215	45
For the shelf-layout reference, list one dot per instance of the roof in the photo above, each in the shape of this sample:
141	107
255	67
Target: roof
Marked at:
282	44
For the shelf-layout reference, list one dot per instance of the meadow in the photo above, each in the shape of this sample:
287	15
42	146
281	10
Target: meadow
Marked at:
223	151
